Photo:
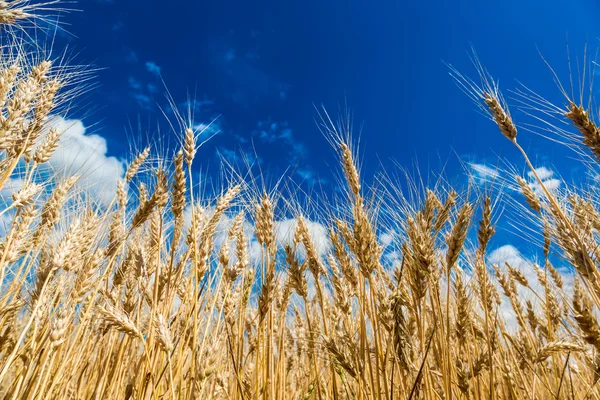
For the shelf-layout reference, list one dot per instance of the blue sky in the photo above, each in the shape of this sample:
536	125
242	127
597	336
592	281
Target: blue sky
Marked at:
261	67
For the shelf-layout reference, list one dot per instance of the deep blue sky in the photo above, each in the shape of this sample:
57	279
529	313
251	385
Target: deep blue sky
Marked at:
263	66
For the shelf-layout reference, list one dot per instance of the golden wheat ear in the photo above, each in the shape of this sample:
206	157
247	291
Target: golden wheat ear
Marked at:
487	97
586	126
31	14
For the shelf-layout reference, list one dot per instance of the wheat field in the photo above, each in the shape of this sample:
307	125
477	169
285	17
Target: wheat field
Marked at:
171	293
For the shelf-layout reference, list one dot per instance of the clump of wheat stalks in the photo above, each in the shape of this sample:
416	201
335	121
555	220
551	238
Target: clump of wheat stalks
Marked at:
168	293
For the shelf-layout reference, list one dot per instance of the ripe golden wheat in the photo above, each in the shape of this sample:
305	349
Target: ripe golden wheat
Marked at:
165	294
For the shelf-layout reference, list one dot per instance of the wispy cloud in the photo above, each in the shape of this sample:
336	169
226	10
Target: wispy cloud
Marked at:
208	129
238	156
152	67
483	173
310	176
546	175
143	93
542	172
551	184
270	131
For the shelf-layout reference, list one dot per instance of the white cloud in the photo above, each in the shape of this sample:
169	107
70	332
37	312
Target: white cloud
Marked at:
386	238
6	221
255	252
284	234
542	172
285	229
86	156
546	176
13	185
508	254
551	184
209	129
483	173
511	255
